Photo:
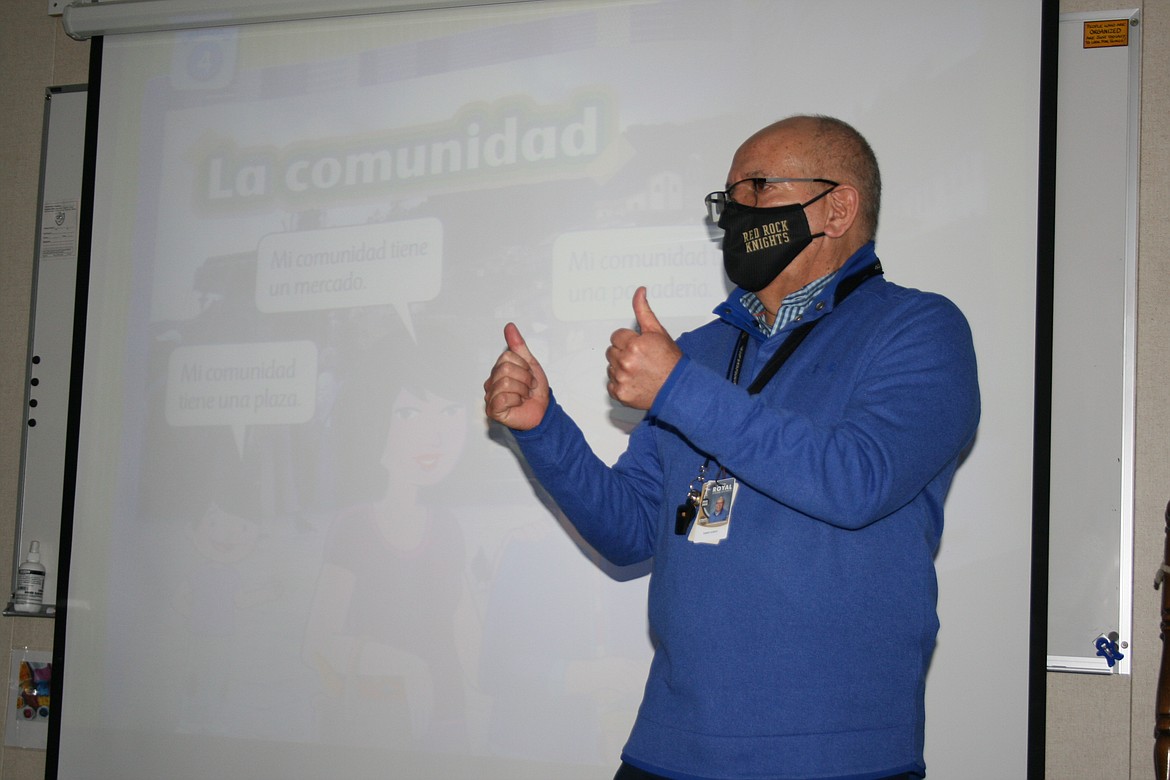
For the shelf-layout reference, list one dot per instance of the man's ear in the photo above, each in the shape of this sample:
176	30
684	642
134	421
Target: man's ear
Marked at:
842	206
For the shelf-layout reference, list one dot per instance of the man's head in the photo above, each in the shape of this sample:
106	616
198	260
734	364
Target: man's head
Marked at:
819	147
823	165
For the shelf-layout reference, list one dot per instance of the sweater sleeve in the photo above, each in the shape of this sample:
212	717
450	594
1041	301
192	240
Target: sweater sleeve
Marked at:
913	408
614	508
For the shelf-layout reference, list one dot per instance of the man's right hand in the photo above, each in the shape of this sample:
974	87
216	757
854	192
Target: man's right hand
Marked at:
516	393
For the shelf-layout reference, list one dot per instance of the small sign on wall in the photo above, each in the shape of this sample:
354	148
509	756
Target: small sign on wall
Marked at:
1105	33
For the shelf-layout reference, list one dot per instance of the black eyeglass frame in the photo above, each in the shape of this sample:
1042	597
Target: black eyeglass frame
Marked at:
716	201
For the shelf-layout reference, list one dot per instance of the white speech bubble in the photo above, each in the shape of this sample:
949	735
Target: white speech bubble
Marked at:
267	383
596	272
384	263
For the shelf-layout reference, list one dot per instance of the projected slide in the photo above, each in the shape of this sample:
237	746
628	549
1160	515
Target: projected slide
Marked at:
299	548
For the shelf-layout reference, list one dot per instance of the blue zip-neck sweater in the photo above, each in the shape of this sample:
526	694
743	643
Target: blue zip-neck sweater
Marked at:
797	648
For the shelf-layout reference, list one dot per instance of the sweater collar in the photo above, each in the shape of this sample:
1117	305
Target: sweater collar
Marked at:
735	312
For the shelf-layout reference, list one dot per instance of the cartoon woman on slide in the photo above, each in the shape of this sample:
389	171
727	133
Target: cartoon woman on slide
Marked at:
392	608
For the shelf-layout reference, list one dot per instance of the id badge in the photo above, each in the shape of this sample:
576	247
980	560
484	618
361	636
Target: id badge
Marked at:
714	516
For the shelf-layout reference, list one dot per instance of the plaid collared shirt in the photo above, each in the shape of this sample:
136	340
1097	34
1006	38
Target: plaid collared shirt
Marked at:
791	308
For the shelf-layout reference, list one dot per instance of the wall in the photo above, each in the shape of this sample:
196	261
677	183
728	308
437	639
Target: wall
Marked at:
34	54
1103	726
1097	726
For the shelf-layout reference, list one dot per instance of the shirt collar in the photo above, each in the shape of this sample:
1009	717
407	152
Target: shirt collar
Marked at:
791	308
734	310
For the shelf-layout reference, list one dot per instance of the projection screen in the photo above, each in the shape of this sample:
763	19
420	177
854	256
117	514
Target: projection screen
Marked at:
298	550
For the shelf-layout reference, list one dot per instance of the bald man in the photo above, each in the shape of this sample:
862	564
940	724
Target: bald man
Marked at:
829	407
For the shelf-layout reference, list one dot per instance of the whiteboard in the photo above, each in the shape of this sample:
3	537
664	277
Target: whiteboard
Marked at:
1093	348
51	333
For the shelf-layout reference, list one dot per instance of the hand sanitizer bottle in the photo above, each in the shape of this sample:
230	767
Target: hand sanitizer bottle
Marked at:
30	581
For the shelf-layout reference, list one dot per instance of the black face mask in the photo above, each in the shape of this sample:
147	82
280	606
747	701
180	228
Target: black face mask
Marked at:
759	243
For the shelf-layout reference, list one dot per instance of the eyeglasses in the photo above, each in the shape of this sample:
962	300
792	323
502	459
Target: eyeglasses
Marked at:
746	192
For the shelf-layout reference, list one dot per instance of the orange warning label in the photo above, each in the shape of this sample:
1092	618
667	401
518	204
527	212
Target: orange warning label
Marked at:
1107	32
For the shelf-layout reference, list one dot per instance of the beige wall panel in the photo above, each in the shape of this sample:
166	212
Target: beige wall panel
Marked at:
34	54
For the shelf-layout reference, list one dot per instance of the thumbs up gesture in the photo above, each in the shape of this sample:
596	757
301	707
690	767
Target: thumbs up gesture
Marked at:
516	393
640	360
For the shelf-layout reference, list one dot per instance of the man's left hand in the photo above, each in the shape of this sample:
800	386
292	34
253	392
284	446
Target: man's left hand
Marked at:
640	360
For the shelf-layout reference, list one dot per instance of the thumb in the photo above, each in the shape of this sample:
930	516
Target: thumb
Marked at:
518	345
515	341
647	320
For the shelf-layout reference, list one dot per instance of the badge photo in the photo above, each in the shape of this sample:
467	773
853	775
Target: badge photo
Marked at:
714	518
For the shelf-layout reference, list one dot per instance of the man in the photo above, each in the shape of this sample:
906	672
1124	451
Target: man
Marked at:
793	641
718	512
